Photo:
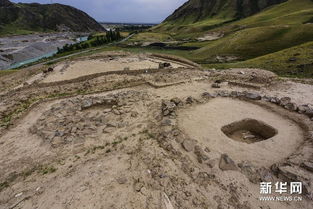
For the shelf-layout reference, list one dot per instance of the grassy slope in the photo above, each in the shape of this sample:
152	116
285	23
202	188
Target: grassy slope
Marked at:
6	72
272	30
276	33
301	64
254	42
151	37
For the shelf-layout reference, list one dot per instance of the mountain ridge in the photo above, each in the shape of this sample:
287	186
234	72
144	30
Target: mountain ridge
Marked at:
44	17
196	10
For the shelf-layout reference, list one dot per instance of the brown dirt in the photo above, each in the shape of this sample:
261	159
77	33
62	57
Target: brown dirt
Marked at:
117	141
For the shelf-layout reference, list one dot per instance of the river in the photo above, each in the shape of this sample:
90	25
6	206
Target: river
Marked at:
49	54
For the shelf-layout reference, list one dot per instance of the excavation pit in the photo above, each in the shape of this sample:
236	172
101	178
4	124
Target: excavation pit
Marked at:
249	131
276	137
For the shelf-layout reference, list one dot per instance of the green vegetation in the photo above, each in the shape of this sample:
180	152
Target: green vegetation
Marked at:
267	39
14	30
151	37
6	72
46	169
253	42
293	62
93	41
42	169
16	19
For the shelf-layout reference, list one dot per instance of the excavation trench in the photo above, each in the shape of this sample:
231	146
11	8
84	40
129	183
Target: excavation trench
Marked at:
249	131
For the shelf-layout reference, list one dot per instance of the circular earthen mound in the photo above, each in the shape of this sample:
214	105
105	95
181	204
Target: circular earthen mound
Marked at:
223	124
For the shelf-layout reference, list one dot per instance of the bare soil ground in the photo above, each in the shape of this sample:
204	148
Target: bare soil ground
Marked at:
149	138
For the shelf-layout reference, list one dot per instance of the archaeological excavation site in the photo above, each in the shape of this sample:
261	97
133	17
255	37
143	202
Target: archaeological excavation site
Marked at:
141	130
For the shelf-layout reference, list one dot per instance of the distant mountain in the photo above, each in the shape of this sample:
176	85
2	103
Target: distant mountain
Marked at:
197	10
19	18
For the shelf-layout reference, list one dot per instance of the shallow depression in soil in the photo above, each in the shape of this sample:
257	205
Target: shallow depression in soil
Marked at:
207	122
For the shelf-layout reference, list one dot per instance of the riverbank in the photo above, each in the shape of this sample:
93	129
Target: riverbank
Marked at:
19	50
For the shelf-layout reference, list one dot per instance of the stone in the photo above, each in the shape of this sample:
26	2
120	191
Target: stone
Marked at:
266	98
177	101
164	65
275	100
284	101
134	114
265	175
291	106
107	110
161	65
167	64
116	112
122	180
219	81
227	164
234	94
223	93
189	100
216	86
188	145
308	166
168	108
309	112
175	132
249	171
253	96
206	149
59	133
201	156
86	104
111	124
138	186
287	173
167	122
303	108
74	129
207	95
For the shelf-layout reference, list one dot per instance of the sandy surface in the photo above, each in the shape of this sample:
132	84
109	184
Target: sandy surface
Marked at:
204	123
300	93
88	67
211	36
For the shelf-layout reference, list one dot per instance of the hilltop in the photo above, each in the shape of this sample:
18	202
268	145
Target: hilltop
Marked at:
197	10
26	18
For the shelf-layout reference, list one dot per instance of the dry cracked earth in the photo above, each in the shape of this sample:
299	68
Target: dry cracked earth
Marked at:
122	131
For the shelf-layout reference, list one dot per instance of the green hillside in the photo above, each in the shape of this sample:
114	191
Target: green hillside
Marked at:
266	39
26	18
292	62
